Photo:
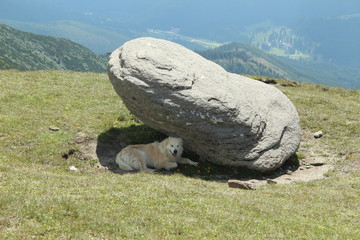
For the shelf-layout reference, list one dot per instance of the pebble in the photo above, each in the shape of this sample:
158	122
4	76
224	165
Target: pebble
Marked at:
73	168
54	128
318	134
269	181
318	162
240	184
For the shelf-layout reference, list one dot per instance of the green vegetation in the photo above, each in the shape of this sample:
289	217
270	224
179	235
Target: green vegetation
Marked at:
41	198
27	51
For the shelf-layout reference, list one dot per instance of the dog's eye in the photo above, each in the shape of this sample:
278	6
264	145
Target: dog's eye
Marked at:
172	145
177	146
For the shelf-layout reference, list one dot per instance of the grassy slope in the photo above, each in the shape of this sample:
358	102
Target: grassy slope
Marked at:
28	51
40	198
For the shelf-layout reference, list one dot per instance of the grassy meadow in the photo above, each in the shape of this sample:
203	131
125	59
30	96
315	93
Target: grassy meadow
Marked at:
40	198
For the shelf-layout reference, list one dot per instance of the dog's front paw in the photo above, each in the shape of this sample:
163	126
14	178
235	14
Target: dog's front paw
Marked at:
193	163
188	161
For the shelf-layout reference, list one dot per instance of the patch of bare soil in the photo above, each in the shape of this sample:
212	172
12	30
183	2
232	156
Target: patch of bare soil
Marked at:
103	149
313	166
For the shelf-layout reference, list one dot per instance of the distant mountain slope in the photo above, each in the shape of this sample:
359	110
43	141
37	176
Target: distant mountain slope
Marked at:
244	59
99	39
280	41
241	58
27	51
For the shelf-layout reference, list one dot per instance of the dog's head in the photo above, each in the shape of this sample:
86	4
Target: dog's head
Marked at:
174	146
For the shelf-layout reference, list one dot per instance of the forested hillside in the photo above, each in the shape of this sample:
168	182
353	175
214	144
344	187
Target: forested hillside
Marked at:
244	59
27	51
281	41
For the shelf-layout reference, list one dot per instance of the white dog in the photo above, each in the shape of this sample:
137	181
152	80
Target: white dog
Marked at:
166	154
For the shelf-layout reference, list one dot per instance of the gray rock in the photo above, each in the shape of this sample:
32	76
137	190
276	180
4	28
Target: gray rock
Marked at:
54	128
318	134
270	181
318	161
226	118
233	183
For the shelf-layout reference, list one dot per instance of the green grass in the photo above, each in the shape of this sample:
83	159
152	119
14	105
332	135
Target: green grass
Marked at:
41	199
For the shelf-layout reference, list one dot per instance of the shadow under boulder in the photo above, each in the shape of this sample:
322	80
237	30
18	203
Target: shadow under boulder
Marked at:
108	145
105	148
111	142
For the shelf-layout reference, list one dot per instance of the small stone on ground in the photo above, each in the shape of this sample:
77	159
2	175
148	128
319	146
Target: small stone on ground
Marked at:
54	128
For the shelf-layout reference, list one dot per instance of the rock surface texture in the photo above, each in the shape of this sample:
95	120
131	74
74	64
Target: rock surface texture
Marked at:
226	118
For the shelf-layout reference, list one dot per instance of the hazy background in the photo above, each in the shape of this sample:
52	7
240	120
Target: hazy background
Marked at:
187	14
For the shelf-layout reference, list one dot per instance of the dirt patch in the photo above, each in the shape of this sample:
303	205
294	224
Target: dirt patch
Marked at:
306	174
86	148
105	148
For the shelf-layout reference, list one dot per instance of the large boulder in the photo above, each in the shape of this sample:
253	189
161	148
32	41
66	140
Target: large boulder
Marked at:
226	118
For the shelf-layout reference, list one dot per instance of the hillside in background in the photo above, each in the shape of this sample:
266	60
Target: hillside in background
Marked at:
98	39
280	41
101	39
28	51
245	59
